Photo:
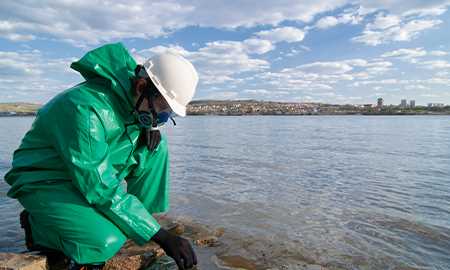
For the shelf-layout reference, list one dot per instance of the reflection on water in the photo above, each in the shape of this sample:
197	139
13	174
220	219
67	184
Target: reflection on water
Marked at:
348	192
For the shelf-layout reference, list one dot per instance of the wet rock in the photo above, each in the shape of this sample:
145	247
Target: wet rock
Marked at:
219	232
131	249
134	257
171	225
123	262
13	261
207	241
177	228
297	266
200	235
163	263
236	262
314	267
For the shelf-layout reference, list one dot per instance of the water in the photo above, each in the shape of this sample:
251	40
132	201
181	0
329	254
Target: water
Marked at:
351	192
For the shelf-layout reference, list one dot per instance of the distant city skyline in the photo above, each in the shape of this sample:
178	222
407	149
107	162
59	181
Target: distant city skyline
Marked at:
330	51
407	103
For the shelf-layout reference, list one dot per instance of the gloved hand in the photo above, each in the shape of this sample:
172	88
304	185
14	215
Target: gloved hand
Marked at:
176	247
150	138
153	137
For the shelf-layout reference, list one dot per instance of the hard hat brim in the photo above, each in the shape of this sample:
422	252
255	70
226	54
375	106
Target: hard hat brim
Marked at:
177	108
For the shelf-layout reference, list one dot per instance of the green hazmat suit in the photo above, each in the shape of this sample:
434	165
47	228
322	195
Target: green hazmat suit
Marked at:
69	169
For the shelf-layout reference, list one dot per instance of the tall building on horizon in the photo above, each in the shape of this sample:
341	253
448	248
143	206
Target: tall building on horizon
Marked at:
380	102
403	103
412	103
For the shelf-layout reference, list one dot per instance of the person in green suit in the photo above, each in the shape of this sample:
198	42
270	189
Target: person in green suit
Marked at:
93	167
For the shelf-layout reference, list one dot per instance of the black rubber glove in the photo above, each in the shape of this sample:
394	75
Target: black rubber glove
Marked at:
150	138
176	247
153	138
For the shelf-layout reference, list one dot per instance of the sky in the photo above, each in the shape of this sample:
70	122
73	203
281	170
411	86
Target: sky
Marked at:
332	51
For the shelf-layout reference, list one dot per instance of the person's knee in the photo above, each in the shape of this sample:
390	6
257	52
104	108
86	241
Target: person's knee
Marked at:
98	249
110	245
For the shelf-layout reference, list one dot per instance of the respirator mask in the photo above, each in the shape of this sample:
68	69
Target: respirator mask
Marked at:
150	121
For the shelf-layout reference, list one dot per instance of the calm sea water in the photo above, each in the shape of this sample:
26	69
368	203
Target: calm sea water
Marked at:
352	192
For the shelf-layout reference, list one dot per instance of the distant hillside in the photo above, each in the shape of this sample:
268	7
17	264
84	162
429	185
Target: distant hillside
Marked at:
250	107
256	107
18	108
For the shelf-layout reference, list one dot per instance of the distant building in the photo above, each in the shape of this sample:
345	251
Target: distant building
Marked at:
403	103
412	103
436	105
380	102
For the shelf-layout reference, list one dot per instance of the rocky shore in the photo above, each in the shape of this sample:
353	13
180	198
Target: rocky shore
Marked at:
214	247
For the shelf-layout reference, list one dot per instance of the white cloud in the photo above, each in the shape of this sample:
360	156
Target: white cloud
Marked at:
438	53
400	20
435	64
218	61
320	76
403	32
409	55
325	67
29	76
250	13
434	11
287	34
416	87
406	53
377	82
437	80
142	55
378	67
257	91
7	30
340	70
327	22
85	23
383	21
414	27
19	64
91	22
258	46
442	74
221	95
402	7
351	16
248	46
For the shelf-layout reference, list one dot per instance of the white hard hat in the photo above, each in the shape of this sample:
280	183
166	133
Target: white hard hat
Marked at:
176	79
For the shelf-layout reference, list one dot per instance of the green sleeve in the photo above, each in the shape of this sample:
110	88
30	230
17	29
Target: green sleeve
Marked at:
150	177
80	140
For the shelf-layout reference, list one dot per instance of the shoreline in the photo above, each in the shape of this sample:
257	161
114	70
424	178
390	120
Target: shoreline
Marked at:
216	249
255	107
322	114
9	114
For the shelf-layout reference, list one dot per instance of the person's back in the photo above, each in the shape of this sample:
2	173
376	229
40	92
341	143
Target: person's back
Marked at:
37	159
